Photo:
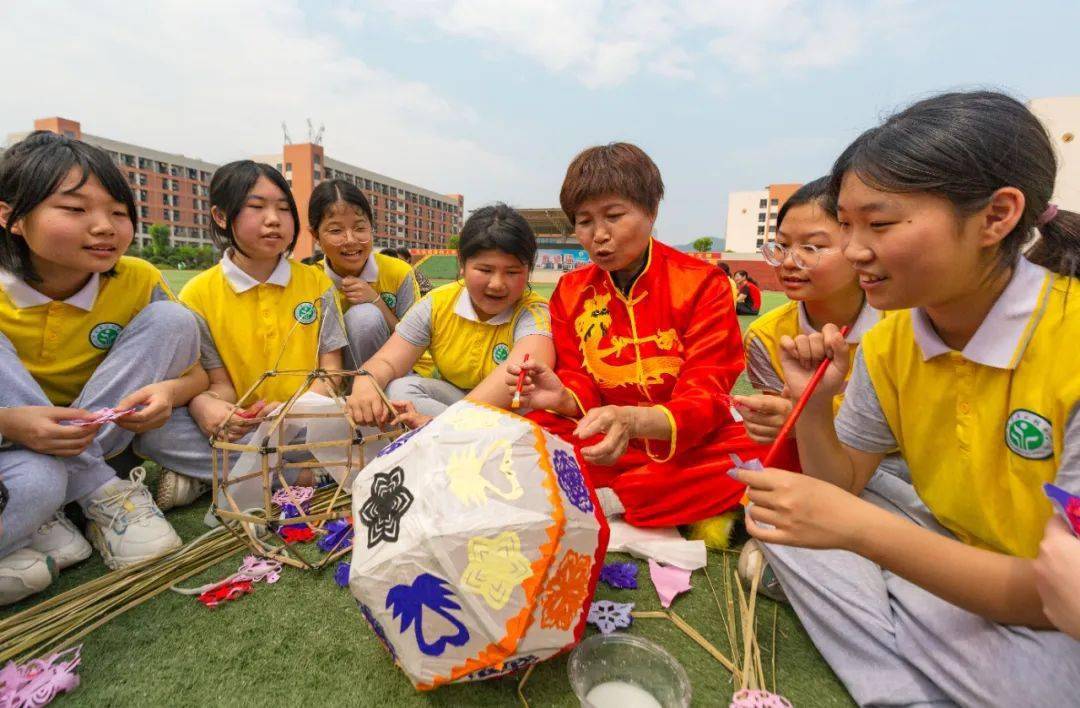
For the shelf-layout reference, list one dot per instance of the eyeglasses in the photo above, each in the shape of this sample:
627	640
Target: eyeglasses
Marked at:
804	256
339	237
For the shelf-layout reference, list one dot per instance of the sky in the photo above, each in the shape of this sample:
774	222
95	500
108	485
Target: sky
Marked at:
493	98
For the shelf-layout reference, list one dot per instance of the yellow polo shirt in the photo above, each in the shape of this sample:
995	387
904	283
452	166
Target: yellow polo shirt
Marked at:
762	342
61	343
464	349
981	429
249	327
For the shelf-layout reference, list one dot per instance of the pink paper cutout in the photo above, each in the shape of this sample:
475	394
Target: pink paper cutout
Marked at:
669	581
38	681
105	415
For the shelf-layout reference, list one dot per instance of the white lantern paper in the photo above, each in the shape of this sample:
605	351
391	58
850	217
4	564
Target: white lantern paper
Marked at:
478	546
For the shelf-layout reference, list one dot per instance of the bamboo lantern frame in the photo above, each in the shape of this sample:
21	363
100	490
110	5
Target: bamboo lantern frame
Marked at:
254	526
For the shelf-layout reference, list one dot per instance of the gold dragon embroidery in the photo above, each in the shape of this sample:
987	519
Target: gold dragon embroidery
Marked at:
592	326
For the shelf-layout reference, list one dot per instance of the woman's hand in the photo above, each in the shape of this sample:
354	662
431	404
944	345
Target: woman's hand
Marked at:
802	510
216	417
801	356
1057	576
616	423
358	291
541	389
157	404
39	428
763	415
366	405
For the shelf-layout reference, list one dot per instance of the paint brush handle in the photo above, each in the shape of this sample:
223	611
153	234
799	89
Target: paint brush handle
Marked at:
789	424
516	403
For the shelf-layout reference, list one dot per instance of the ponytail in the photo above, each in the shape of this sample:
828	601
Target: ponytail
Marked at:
1058	246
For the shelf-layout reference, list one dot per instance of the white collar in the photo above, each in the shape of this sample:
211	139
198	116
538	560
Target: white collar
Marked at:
868	317
23	296
369	273
241	282
464	308
1002	336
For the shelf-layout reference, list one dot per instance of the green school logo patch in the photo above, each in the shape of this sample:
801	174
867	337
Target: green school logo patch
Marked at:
1029	435
390	299
305	313
501	353
104	335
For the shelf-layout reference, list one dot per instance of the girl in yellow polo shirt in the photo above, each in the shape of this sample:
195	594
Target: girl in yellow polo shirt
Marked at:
374	290
82	328
471	327
258	310
977	387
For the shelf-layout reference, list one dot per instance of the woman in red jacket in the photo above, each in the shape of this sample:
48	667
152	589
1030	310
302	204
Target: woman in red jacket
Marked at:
647	345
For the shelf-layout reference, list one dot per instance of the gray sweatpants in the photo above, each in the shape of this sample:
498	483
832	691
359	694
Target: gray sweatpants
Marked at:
367	331
430	396
893	643
160	343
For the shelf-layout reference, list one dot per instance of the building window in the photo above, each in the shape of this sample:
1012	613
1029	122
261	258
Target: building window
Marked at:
761	218
144	213
318	175
278	166
317	160
762	203
374	200
288	167
760	242
772	228
176	215
142	195
761	230
194	189
772	202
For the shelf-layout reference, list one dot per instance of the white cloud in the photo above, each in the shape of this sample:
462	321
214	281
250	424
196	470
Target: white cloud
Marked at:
215	80
606	42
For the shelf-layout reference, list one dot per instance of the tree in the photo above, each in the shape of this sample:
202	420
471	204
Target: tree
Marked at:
703	244
160	248
453	241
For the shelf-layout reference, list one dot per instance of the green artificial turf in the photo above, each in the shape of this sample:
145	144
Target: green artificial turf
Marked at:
302	641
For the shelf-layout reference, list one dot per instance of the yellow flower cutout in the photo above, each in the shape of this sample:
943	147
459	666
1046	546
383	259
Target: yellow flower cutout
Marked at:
496	567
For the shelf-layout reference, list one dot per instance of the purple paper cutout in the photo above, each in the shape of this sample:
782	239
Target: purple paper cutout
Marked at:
339	536
571	480
622	576
341	574
608	616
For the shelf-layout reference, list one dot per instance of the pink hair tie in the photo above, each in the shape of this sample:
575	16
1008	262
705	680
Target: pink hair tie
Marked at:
1047	216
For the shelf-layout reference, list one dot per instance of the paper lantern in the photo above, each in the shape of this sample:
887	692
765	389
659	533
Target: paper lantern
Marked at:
478	546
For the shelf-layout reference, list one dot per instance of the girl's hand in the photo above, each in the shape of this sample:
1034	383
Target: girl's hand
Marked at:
365	404
763	416
803	511
801	356
157	404
1057	576
617	424
39	428
357	290
541	389
408	415
212	416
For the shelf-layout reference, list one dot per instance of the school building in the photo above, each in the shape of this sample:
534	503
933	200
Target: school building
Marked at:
751	216
1061	116
174	190
405	214
169	189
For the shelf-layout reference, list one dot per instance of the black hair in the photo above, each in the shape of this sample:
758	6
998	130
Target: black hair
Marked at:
814	192
965	146
746	275
32	169
229	189
329	193
724	267
405	254
497	227
392	252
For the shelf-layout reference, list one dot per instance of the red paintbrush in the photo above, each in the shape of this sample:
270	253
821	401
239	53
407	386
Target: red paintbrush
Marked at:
516	403
785	430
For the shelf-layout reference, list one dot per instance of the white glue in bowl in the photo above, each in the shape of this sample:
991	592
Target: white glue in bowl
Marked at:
624	671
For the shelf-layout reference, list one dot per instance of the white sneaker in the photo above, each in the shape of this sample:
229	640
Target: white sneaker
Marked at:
752	561
23	573
125	525
175	489
60	539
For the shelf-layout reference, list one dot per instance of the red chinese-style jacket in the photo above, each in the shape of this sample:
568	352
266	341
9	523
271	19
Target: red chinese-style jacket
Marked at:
673	341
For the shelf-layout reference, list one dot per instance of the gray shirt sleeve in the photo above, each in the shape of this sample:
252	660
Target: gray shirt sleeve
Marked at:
759	368
1068	474
861	423
159	293
405	296
331	326
208	352
415	326
527	325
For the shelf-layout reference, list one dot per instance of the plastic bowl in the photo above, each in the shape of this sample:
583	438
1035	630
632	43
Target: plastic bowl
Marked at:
624	657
